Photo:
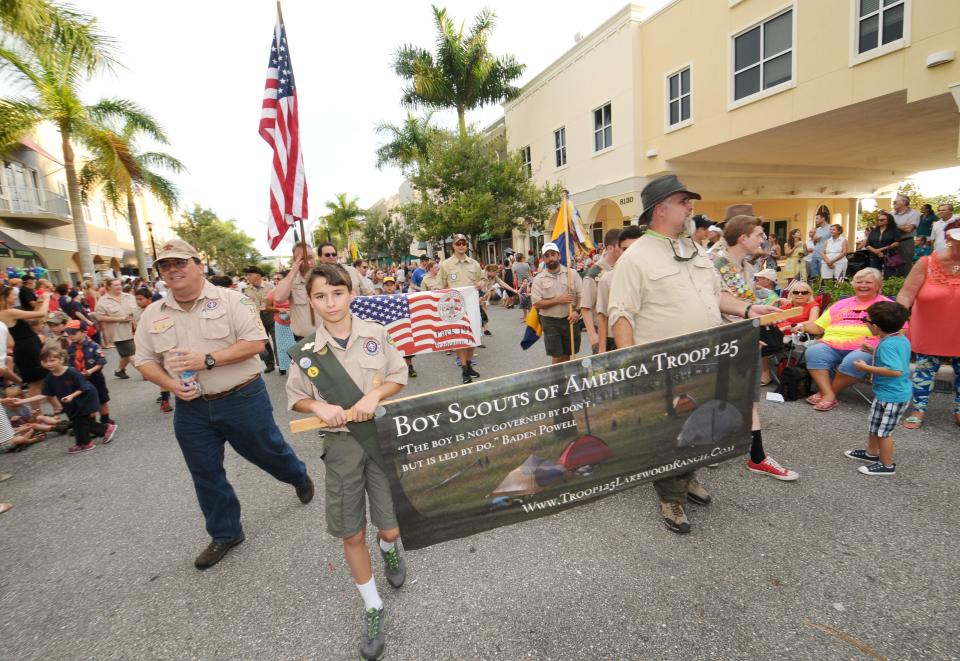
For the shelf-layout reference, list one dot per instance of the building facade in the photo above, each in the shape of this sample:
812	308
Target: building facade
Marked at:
36	223
788	104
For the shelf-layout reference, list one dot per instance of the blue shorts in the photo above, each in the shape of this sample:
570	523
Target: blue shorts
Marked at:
822	356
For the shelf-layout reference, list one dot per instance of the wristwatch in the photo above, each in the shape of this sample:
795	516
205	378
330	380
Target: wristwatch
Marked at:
209	361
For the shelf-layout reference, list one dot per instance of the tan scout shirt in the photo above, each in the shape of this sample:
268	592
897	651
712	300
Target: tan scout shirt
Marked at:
369	353
430	282
459	273
589	298
660	296
358	283
300	320
108	306
548	285
603	297
258	295
218	319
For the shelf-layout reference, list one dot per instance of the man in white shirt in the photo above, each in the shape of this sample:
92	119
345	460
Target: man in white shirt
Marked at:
937	235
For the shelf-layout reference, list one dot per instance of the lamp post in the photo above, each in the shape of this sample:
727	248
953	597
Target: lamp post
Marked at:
153	245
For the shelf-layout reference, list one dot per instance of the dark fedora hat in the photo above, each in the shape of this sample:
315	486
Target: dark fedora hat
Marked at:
738	210
660	189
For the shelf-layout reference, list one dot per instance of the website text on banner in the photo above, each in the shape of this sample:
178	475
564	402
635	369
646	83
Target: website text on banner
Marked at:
526	445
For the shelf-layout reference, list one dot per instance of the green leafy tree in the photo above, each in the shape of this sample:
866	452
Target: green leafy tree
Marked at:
45	24
219	241
462	73
268	269
385	237
408	144
123	172
343	220
469	187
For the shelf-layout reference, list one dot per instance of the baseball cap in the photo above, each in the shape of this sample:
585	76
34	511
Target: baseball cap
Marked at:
177	249
58	318
548	247
390	278
769	274
714	228
74	325
953	230
459	237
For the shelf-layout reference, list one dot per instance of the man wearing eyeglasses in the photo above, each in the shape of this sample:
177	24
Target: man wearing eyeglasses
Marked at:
216	334
460	270
663	286
294	288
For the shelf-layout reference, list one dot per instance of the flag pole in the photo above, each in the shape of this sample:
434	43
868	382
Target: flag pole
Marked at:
303	232
569	247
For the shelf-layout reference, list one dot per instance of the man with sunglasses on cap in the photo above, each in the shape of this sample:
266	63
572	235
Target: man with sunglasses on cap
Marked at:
460	270
202	342
664	286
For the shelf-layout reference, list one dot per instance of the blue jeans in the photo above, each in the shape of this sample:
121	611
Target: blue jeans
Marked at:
245	420
821	356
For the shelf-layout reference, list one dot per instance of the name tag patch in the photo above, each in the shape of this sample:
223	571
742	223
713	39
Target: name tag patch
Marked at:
371	347
161	325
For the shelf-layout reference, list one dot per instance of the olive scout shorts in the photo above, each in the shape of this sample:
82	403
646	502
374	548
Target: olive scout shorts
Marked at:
353	477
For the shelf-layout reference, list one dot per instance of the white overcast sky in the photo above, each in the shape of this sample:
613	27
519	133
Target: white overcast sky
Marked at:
199	67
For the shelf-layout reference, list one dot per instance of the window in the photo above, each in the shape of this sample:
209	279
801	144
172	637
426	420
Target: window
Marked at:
596	234
678	97
879	22
602	128
763	56
527	161
560	146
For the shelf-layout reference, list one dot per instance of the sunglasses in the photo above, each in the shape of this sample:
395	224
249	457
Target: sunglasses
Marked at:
676	255
328	254
168	264
801	292
459	243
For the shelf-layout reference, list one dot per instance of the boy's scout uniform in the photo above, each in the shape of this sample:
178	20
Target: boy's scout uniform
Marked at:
556	328
464	272
351	471
430	282
120	331
602	300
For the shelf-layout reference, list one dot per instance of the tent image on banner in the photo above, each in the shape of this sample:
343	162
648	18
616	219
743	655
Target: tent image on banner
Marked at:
530	477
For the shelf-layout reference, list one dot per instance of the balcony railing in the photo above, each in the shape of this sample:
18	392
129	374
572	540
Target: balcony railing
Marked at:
34	203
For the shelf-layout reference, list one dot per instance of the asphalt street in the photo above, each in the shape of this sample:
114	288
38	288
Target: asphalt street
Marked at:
97	554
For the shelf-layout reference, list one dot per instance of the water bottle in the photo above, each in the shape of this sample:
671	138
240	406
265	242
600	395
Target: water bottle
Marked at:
188	379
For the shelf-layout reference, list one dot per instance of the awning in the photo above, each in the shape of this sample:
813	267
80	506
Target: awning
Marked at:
10	247
129	258
30	144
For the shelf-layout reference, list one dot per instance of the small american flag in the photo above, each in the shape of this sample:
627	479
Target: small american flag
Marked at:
280	127
414	321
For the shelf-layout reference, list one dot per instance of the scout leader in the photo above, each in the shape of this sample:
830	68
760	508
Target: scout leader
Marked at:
215	333
350	363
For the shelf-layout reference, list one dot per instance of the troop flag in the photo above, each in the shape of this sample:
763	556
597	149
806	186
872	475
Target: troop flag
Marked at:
569	233
532	330
280	127
423	322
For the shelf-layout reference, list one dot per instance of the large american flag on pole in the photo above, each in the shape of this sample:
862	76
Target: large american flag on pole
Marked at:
280	127
421	322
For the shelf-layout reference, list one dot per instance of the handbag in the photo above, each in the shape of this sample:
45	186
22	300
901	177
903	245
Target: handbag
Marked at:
893	260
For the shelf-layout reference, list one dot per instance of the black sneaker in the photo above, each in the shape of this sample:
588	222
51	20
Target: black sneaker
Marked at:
471	372
486	332
878	469
862	455
121	374
394	566
373	640
466	378
305	491
411	372
214	553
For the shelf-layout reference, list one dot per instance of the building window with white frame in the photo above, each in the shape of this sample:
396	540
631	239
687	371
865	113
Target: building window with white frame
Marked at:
560	146
678	97
879	22
603	127
527	160
763	56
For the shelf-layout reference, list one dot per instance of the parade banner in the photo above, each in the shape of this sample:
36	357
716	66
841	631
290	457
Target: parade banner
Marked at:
426	321
534	443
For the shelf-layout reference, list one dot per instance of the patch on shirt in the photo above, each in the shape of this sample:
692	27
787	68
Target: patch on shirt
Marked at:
308	346
248	301
305	363
313	372
213	305
322	351
371	347
453	277
161	325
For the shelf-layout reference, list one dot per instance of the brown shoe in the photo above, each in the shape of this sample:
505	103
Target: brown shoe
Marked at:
697	493
674	517
214	553
305	491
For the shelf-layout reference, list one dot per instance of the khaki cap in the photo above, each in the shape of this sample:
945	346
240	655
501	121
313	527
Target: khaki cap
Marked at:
738	210
177	249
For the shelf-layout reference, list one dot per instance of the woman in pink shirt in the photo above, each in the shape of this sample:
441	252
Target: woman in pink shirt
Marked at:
933	290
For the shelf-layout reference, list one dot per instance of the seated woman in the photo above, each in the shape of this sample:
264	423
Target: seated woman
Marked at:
846	339
797	295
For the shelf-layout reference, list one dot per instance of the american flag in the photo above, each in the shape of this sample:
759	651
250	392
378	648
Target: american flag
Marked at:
414	322
280	127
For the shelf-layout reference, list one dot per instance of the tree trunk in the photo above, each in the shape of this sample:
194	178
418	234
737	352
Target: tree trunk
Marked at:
462	118
76	205
135	231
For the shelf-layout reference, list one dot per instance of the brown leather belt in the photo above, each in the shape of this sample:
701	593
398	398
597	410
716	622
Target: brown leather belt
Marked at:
227	393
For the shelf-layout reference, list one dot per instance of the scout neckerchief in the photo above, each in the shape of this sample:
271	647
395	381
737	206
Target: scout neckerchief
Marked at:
336	387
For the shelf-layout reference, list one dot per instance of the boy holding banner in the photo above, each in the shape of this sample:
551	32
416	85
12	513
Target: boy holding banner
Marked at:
349	363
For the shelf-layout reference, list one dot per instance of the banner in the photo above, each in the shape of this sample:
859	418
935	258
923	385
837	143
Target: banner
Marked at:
426	321
526	445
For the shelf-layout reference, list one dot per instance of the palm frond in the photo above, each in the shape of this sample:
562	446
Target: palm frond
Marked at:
134	118
17	118
151	159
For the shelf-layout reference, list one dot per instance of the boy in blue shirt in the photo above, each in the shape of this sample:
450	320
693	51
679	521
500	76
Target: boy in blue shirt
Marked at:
891	385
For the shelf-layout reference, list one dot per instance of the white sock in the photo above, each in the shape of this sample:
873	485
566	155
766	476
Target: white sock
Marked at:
386	546
371	598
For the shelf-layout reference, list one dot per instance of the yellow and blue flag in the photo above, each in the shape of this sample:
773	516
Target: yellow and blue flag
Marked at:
532	330
569	233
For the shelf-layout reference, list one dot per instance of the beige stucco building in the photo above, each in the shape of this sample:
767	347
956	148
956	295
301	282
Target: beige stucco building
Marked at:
785	104
36	225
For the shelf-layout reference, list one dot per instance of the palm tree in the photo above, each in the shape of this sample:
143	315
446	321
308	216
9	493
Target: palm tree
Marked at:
462	74
344	218
124	173
41	22
52	70
408	144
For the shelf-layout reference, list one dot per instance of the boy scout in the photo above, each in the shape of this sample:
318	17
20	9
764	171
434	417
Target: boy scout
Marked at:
217	334
556	298
461	271
350	362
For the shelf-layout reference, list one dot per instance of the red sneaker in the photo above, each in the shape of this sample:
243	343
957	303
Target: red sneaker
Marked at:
769	466
77	449
165	406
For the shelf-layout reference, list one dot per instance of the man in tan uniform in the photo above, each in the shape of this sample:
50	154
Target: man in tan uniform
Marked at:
328	255
294	287
604	329
215	334
459	270
556	296
591	279
664	286
116	311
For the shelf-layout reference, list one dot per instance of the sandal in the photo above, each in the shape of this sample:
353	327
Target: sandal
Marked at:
826	406
814	399
5	507
912	422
